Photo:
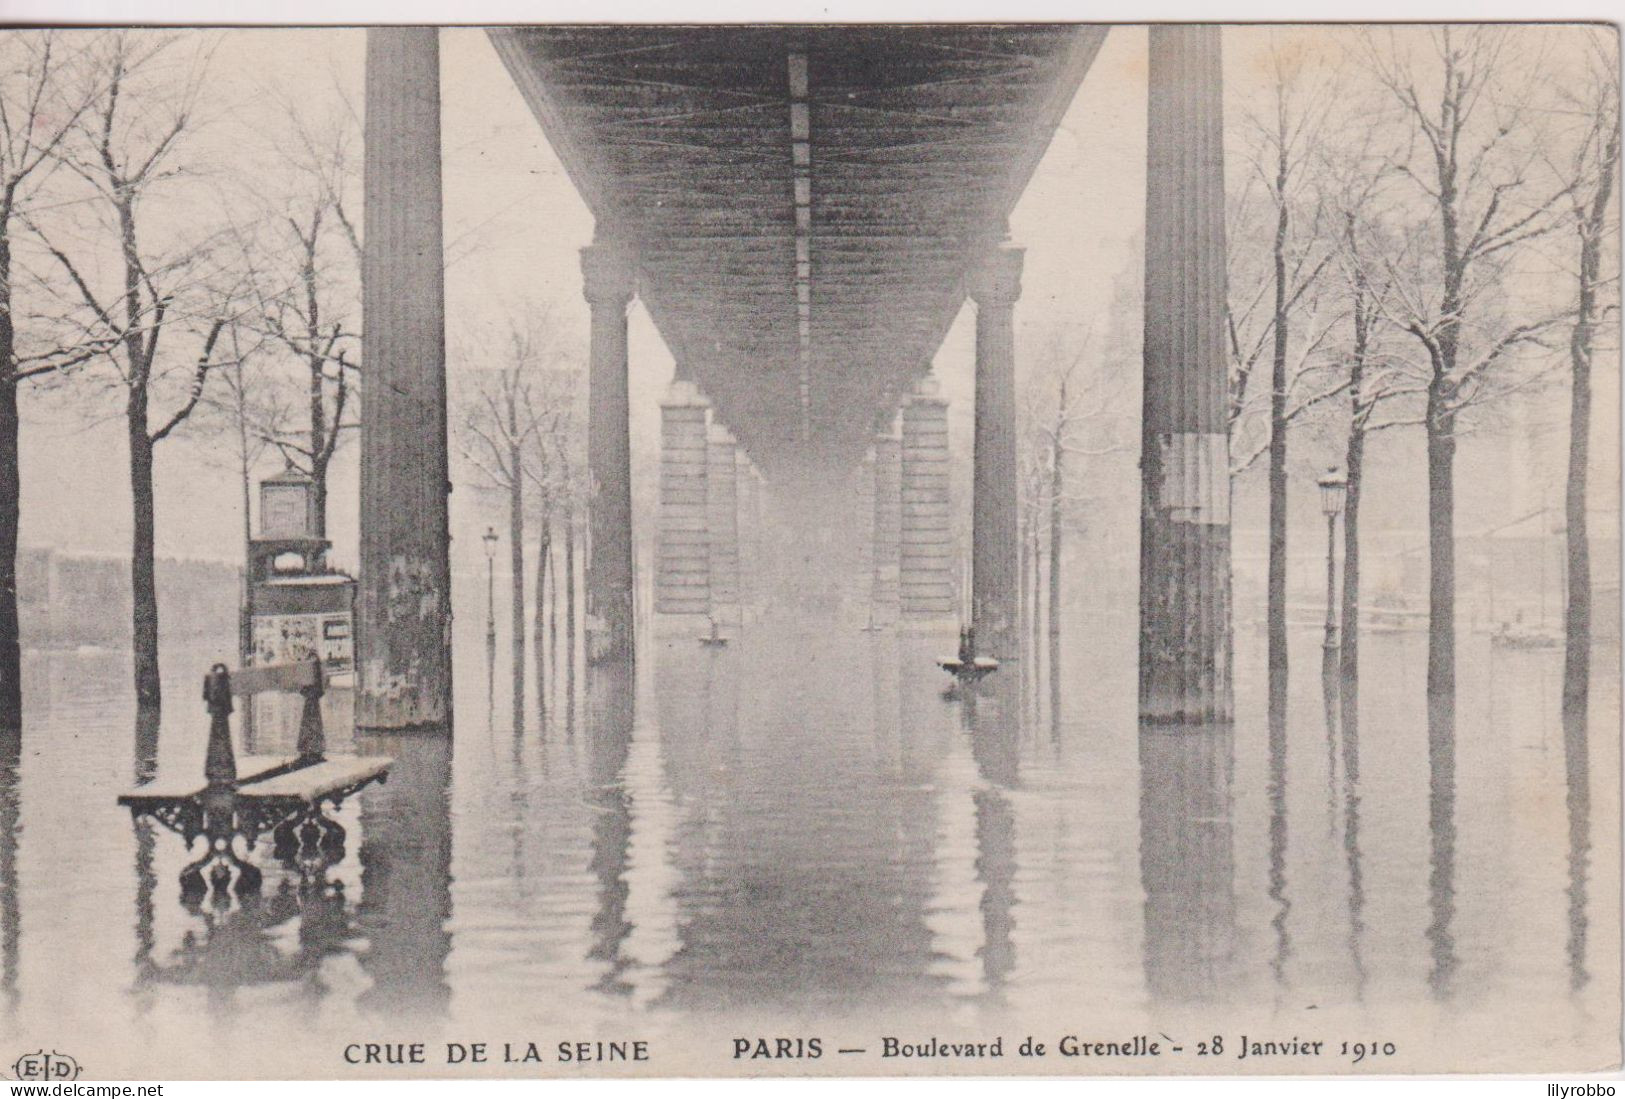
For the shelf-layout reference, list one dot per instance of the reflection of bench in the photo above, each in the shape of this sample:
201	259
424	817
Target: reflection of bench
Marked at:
285	795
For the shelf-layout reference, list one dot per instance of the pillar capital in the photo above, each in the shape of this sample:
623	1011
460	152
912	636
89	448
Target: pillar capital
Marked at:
926	390
996	279
683	393
609	272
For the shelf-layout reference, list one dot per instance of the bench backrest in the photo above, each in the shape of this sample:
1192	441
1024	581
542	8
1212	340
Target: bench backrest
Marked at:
275	677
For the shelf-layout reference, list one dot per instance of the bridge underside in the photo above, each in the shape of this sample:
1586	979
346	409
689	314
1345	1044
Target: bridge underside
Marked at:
804	202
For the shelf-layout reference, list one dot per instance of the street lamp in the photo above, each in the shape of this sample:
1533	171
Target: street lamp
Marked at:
1334	489
490	540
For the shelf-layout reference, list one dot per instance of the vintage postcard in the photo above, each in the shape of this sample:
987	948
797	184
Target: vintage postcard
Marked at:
836	549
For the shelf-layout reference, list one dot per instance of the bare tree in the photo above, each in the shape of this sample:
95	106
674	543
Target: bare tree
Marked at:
498	429
247	411
1069	414
304	257
1270	292
126	151
1469	166
1590	179
44	91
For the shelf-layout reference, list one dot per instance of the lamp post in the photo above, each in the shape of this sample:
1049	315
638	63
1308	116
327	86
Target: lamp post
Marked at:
1334	489
490	540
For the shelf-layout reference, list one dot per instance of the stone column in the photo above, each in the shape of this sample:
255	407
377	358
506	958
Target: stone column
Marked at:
887	524
403	631
722	521
1185	639
683	563
609	279
860	585
926	553
995	526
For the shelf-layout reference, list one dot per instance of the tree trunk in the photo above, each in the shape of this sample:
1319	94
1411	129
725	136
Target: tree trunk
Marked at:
516	566
143	582
1057	487
11	654
570	608
1276	597
553	621
1349	611
543	552
1577	624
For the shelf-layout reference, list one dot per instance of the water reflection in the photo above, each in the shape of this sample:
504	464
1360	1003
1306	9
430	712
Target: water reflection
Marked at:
1442	843
1577	787
1349	734
11	747
609	736
1187	861
992	717
406	874
757	827
1278	826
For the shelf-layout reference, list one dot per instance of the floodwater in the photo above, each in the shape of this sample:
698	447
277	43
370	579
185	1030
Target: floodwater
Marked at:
798	834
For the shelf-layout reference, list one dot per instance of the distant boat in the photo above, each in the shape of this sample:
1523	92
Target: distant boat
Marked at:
1517	635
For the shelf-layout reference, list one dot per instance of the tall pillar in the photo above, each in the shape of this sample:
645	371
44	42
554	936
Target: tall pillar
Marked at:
403	633
609	279
995	531
887	524
926	554
722	521
1185	640
683	565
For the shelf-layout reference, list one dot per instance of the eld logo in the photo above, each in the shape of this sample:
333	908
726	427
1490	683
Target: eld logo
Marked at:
45	1066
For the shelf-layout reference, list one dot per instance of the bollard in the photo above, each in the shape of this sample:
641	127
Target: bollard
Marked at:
219	763
312	738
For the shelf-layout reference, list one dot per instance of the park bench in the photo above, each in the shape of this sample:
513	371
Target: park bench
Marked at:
286	796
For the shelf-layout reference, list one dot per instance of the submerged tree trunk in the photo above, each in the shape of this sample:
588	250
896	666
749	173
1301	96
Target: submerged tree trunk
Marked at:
1276	596
1577	625
543	552
553	620
570	608
1057	486
1349	611
143	565
11	653
516	566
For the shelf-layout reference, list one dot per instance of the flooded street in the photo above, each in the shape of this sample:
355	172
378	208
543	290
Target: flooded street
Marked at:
799	826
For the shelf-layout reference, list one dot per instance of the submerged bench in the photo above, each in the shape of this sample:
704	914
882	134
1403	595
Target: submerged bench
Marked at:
283	795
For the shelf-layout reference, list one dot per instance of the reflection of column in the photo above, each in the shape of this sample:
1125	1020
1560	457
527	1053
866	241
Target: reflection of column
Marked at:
925	562
1184	455
609	731
406	876
609	278
887	524
403	629
1577	772
750	535
862	585
995	547
1186	861
722	519
10	821
683	568
993	720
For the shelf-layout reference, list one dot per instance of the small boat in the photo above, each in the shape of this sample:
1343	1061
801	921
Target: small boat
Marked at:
1516	635
967	667
715	640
